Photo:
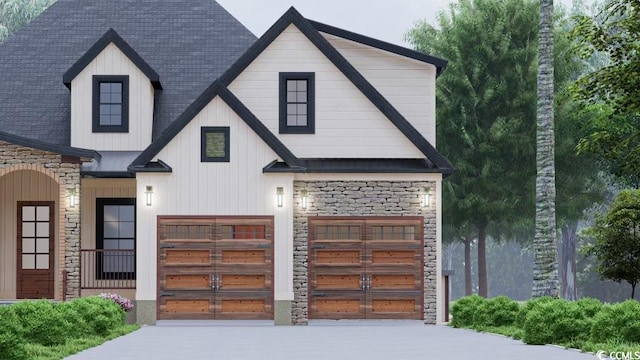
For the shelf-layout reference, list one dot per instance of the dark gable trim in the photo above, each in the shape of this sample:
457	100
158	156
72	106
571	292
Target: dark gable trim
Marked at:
215	89
359	166
41	145
109	37
440	64
292	16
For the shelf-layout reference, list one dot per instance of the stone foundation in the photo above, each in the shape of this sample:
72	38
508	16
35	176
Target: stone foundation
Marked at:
362	198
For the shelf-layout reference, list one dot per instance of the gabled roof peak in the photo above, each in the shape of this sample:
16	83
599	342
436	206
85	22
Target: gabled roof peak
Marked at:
111	37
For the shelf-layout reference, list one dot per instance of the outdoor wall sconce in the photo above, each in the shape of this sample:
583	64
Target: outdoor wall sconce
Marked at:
73	197
303	199
280	196
426	198
149	193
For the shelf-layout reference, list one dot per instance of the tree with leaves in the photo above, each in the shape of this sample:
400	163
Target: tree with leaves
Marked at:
14	14
617	240
486	111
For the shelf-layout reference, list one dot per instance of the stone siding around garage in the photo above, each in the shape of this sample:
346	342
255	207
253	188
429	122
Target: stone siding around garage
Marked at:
362	198
66	173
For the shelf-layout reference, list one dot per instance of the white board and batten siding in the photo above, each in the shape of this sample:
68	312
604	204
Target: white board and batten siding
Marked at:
111	61
347	124
408	84
22	185
233	188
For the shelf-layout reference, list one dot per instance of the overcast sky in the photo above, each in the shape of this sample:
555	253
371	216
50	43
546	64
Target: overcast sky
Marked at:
386	20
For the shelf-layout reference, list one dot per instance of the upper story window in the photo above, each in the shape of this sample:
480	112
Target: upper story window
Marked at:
214	144
297	103
110	103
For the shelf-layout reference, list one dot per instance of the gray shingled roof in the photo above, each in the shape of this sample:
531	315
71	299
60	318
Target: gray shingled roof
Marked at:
189	43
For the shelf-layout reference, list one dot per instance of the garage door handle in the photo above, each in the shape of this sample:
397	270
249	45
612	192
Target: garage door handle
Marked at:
318	246
267	246
165	293
164	246
318	294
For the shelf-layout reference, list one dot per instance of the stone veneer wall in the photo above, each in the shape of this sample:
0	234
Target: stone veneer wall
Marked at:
362	198
67	176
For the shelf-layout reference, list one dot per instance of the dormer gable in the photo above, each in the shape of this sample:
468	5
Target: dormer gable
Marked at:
112	97
111	37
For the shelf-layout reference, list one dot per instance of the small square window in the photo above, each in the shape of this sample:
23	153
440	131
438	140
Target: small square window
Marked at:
214	144
297	103
110	103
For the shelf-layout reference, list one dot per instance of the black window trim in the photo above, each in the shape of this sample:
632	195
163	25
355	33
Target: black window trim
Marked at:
310	128
100	274
124	127
203	143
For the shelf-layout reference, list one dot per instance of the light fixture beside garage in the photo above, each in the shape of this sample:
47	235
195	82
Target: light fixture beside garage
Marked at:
149	193
426	198
304	196
73	197
280	196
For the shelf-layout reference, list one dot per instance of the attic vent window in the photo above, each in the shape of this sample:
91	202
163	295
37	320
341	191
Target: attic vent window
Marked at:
110	103
214	145
297	103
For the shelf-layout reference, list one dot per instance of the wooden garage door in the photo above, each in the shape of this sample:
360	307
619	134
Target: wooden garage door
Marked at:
215	268
366	268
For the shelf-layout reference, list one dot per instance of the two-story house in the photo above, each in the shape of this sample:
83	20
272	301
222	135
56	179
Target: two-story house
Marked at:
158	150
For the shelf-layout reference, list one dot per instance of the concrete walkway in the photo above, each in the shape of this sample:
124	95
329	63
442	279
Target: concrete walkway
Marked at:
327	340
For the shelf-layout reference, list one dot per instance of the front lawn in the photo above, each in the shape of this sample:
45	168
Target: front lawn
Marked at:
46	330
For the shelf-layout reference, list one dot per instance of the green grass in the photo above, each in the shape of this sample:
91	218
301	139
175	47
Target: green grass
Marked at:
73	346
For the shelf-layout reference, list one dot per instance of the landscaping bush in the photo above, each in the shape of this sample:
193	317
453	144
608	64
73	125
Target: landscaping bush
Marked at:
100	315
530	305
560	322
464	309
123	302
11	341
619	322
498	311
42	323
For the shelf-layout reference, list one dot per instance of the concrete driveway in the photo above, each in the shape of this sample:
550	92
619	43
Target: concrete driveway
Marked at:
321	340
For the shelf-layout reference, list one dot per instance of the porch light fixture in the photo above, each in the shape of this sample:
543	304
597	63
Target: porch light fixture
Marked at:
149	194
426	198
73	197
280	196
303	199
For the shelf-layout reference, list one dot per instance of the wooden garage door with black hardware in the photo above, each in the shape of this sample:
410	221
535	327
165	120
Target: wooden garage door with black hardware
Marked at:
366	268
215	268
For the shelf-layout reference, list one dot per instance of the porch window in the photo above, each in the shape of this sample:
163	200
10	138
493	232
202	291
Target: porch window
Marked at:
115	239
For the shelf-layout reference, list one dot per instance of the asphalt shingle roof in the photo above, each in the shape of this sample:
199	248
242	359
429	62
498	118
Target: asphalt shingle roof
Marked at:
189	43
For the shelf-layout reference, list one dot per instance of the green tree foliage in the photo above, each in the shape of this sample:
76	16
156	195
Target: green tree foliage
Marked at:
617	240
613	32
14	14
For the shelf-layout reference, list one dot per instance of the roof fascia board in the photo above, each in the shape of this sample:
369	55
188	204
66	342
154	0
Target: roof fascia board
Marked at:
41	145
111	36
440	64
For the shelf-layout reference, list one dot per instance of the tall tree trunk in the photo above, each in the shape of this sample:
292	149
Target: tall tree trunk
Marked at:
568	261
545	268
468	282
482	261
633	290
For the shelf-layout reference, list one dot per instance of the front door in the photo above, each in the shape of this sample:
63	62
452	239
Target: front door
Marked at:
36	250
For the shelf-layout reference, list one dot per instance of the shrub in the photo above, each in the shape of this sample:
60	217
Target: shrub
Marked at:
11	341
530	305
124	303
42	322
100	315
559	322
499	311
464	309
619	322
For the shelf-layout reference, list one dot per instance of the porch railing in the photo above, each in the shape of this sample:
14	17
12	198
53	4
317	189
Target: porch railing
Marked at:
107	269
